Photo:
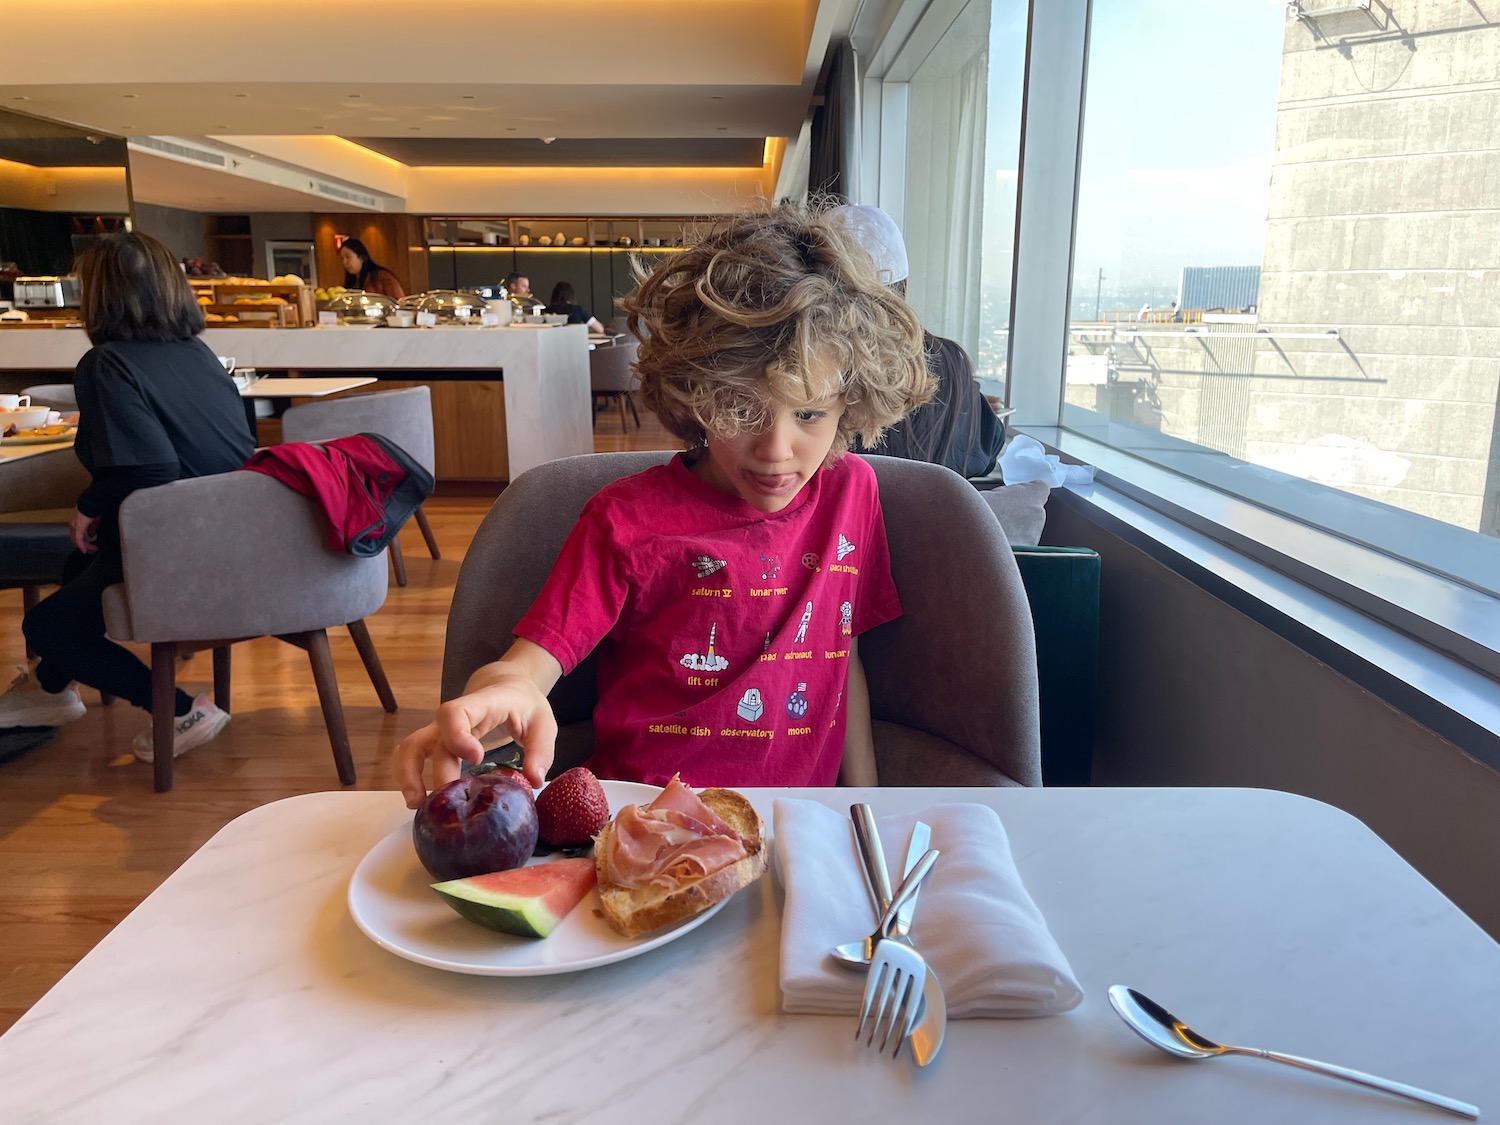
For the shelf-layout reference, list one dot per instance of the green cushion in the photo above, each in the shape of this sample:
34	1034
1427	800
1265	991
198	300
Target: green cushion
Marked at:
1062	585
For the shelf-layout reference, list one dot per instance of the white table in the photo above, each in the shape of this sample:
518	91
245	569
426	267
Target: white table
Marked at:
304	388
10	451
242	991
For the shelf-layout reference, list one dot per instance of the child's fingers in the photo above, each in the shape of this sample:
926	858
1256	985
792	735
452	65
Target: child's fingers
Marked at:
538	745
456	723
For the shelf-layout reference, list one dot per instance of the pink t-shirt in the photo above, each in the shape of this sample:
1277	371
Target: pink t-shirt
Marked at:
722	633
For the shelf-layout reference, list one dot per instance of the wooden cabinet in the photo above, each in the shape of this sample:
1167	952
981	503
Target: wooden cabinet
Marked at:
468	427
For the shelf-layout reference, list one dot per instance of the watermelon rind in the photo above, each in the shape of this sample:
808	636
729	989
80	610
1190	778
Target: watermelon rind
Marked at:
516	902
509	914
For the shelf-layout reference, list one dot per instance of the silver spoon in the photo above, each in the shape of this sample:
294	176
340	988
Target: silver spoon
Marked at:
1161	1028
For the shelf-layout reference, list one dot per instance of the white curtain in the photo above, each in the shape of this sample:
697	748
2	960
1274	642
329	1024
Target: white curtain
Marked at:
944	208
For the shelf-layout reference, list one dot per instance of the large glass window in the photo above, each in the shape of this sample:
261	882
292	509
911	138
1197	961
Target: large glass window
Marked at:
1287	261
962	139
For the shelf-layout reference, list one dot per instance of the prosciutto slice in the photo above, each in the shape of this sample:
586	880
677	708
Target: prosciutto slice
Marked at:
670	841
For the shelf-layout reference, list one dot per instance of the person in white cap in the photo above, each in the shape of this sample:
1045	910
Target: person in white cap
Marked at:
957	429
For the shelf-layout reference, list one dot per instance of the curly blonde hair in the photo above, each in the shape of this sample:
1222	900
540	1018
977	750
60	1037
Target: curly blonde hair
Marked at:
772	307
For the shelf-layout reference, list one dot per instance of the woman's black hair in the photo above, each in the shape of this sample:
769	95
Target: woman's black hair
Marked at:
132	288
563	298
368	265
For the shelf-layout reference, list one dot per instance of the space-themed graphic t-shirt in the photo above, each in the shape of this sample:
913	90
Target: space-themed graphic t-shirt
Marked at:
722	632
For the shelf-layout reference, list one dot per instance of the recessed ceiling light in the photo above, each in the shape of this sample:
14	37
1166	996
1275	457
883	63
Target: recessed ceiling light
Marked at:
19	98
416	126
242	95
510	128
221	126
716	97
320	126
127	95
468	97
353	95
722	128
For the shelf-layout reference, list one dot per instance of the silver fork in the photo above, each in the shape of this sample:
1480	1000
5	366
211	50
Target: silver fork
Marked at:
893	990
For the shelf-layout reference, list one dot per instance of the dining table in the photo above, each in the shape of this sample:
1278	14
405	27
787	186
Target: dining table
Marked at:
242	989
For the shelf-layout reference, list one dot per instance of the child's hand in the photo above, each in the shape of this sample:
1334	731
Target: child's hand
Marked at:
512	704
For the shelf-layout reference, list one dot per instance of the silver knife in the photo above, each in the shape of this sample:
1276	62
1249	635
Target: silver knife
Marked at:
932	1022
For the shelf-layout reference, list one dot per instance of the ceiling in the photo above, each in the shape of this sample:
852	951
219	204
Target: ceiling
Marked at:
571	152
691	88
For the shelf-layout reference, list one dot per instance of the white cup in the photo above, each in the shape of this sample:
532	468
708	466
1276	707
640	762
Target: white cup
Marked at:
14	402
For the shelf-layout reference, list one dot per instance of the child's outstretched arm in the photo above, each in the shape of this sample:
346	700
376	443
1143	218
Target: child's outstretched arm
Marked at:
858	765
510	696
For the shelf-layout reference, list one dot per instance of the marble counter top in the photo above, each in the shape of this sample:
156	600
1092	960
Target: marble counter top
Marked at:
327	348
241	991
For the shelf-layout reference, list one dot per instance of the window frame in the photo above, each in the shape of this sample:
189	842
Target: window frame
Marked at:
1440	600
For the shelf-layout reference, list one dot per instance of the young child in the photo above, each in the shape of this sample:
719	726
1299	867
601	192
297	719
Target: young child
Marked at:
723	592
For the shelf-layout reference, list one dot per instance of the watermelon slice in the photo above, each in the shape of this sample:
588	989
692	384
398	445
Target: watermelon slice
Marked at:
529	901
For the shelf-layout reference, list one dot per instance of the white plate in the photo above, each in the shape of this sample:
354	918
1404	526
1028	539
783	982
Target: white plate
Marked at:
392	901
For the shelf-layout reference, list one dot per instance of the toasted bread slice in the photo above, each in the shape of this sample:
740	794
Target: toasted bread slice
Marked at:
633	911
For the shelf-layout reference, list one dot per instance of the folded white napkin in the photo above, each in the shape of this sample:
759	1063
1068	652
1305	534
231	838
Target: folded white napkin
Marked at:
975	923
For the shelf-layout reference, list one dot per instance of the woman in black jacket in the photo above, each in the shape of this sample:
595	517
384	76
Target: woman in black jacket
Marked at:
155	405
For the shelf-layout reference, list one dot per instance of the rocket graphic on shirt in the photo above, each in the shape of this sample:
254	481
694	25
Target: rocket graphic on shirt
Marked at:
709	661
845	548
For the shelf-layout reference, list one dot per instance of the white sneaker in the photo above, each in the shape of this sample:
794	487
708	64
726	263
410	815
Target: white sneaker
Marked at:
25	704
188	733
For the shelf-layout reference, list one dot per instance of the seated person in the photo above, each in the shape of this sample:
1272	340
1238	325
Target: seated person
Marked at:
564	304
771	345
155	406
958	428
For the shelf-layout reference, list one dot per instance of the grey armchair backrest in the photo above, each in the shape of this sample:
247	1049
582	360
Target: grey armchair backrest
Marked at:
229	556
609	368
54	396
404	416
47	480
953	686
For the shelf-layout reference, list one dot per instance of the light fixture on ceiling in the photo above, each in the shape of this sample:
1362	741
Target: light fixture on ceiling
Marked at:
510	128
547	140
19	98
351	95
320	126
468	97
127	95
242	95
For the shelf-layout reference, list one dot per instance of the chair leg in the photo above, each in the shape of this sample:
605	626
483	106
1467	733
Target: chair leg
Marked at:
30	595
321	659
621	400
361	634
398	560
163	710
221	677
630	398
426	529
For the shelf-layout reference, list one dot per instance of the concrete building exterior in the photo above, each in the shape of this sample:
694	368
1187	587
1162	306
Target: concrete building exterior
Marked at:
1372	363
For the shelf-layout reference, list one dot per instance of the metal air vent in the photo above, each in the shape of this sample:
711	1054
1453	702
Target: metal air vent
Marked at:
1333	18
348	195
168	147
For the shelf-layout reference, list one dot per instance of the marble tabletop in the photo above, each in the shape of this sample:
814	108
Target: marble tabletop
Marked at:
241	990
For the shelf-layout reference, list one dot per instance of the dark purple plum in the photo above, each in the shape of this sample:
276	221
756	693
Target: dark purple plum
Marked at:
475	825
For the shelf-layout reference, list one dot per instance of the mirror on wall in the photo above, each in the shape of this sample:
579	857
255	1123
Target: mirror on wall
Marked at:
60	188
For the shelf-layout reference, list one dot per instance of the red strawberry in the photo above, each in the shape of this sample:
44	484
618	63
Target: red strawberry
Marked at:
571	809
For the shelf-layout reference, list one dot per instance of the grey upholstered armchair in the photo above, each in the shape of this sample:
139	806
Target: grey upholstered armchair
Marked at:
610	376
37	497
403	416
226	558
953	683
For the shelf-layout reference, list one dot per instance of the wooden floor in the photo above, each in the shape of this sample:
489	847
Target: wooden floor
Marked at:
83	838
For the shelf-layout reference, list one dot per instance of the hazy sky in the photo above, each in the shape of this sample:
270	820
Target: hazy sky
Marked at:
1178	129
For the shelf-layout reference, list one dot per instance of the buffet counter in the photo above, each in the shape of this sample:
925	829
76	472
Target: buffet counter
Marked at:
503	399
